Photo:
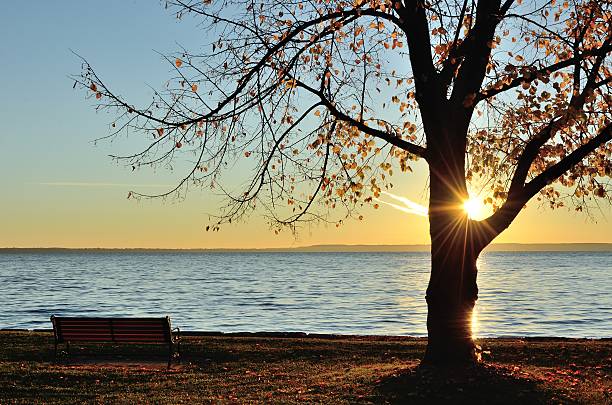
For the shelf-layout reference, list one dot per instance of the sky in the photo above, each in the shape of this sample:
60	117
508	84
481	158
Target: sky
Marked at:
59	189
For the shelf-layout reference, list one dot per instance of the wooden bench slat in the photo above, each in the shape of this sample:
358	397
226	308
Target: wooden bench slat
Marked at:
87	323
114	330
94	319
136	333
88	339
110	339
84	335
136	320
108	326
126	338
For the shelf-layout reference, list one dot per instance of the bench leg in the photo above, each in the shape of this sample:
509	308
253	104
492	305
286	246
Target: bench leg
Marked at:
169	354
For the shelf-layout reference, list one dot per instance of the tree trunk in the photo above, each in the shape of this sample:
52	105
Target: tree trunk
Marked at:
452	291
451	296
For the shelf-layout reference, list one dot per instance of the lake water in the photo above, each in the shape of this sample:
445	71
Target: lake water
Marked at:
521	294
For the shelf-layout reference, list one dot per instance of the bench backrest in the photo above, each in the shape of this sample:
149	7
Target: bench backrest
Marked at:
146	330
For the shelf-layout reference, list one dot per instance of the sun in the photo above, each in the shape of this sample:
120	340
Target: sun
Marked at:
473	207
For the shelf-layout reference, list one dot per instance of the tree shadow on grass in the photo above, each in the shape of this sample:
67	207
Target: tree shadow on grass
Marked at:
482	384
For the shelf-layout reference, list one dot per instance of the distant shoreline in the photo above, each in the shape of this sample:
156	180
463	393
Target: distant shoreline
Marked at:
498	247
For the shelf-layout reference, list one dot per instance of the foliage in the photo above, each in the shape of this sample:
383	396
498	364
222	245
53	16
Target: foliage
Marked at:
322	101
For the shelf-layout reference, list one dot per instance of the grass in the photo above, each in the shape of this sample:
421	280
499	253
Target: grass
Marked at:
259	369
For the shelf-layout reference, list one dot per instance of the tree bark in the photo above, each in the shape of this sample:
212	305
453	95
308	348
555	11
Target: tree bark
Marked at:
452	291
451	296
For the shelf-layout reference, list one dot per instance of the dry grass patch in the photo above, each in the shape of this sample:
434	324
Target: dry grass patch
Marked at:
257	369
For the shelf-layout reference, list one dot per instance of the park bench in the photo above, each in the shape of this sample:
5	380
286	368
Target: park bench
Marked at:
116	330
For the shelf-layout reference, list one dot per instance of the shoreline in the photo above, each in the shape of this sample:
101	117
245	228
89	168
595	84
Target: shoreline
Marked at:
341	336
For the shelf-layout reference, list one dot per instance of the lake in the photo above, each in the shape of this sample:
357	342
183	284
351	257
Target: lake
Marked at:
521	294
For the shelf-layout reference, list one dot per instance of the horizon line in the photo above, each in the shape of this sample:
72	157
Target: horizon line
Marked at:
502	246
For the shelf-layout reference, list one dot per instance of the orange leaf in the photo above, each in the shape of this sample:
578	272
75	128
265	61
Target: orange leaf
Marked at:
194	87
178	62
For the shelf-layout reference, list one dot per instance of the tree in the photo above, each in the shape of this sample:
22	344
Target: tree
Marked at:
321	100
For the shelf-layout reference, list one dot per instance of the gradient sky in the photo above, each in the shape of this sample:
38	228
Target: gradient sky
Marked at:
61	190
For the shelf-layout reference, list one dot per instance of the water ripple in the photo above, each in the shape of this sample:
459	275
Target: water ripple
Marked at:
530	294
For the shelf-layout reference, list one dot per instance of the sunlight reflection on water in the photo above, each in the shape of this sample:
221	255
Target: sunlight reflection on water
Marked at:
525	294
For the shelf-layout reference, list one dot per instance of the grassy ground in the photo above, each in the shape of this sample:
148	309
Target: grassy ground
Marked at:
230	369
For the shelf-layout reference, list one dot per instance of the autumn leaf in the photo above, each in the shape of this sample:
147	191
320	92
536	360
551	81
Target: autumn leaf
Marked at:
520	92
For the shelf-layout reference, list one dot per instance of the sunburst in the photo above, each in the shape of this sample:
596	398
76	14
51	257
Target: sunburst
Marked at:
474	208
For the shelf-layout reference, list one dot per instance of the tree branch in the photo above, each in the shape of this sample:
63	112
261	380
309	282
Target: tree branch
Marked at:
500	220
532	148
450	63
556	170
477	52
393	140
416	29
534	74
294	32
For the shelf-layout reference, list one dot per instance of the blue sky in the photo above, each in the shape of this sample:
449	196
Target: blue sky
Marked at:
59	189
